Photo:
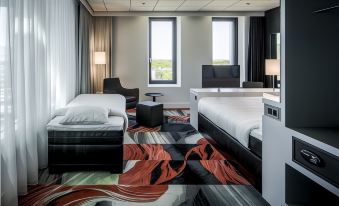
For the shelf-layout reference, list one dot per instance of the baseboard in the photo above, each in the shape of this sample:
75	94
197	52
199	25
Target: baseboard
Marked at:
176	105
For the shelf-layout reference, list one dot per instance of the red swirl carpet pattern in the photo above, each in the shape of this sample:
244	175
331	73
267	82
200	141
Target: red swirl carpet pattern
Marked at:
169	165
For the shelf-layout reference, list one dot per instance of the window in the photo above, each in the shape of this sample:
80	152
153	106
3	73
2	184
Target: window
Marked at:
162	51
225	41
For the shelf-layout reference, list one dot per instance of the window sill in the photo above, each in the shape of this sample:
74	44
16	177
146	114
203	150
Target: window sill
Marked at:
164	85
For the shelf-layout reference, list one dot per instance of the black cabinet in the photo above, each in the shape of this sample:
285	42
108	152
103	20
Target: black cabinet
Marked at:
317	160
300	190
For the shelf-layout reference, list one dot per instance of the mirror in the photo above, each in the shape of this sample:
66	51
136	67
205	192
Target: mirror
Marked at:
275	54
275	46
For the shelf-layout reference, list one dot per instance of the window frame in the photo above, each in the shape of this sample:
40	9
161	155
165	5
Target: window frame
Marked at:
234	20
174	51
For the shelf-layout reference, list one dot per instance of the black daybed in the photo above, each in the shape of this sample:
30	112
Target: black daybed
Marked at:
88	146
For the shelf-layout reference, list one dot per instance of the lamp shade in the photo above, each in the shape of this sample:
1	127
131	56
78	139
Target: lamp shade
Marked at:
99	58
272	67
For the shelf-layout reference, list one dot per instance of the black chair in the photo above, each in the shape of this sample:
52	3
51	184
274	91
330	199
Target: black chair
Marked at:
253	85
113	86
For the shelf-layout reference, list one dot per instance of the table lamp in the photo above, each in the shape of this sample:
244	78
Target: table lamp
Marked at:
272	68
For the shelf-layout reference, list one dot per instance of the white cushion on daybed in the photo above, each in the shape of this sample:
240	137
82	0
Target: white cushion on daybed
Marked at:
115	103
114	123
85	115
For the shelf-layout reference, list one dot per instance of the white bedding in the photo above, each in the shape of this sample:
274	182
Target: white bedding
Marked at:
115	123
238	116
257	133
115	103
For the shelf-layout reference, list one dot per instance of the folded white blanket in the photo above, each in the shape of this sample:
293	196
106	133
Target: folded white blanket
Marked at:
115	103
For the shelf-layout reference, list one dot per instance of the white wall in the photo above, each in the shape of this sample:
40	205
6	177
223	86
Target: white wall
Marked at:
130	61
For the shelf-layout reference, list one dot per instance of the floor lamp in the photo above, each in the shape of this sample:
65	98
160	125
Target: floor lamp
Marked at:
272	68
99	59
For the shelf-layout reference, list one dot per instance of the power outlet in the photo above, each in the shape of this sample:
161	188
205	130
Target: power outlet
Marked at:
273	112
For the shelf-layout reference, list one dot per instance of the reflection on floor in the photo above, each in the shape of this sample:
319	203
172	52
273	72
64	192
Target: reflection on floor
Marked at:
168	165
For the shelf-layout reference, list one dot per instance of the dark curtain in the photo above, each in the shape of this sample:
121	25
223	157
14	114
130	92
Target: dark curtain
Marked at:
256	50
94	35
103	33
85	45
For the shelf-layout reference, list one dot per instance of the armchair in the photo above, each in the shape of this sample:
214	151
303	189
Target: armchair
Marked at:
113	86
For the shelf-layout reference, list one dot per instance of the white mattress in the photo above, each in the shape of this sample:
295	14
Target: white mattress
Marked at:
115	123
115	103
257	133
238	116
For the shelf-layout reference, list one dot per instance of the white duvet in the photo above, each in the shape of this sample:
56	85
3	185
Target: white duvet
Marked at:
115	103
238	116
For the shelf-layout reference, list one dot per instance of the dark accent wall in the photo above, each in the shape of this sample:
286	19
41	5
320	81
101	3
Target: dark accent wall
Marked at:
272	25
312	64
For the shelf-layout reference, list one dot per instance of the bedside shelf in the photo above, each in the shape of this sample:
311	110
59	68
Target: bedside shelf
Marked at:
329	136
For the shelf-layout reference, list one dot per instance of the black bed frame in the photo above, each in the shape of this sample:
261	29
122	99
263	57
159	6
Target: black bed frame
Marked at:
243	155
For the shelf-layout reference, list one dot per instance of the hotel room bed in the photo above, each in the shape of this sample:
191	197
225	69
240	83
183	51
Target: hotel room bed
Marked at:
238	116
235	124
90	146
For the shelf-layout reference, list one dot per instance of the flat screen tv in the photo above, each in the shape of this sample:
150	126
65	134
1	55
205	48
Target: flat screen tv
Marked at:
220	76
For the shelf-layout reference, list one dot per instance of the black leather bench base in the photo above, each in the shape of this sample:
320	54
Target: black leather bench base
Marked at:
60	168
96	150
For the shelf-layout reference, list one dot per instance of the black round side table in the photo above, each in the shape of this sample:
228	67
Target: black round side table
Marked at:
154	95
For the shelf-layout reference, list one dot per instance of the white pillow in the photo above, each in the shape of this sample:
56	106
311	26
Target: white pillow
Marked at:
85	115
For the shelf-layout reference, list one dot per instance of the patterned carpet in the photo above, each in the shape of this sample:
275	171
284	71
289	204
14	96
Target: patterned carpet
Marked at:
169	165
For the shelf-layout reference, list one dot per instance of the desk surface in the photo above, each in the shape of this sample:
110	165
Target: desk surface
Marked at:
232	90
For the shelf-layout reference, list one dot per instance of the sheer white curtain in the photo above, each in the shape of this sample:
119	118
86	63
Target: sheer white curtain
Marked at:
61	48
6	105
37	73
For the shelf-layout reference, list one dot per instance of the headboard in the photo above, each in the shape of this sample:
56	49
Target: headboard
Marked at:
220	76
